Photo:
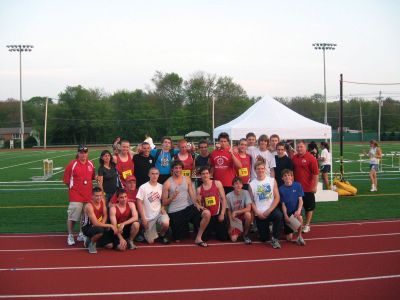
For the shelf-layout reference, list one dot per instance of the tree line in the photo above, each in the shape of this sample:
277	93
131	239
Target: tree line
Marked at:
173	106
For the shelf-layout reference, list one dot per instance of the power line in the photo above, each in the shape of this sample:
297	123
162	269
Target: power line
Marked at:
372	83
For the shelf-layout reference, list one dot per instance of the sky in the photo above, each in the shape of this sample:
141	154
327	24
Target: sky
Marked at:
265	46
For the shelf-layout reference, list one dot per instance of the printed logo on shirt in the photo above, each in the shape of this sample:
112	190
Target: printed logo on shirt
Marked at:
264	192
220	161
154	196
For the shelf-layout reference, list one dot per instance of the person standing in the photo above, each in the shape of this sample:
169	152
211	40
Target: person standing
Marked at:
273	141
305	167
78	176
244	172
262	153
223	163
142	163
326	162
186	157
107	175
163	158
282	162
124	162
375	154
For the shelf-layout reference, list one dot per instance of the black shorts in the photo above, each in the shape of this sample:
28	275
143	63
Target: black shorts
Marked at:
219	228
126	232
179	221
325	169
106	238
309	201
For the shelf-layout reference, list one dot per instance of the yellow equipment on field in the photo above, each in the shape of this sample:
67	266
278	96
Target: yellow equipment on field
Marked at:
344	188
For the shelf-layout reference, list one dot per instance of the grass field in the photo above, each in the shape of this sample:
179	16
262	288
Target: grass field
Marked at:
40	206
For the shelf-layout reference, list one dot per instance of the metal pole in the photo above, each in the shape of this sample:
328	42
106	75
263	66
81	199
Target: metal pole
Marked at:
341	126
379	115
45	123
213	116
361	124
326	105
20	99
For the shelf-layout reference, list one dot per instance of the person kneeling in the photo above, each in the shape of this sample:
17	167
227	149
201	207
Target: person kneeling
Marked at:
239	207
124	216
291	193
94	223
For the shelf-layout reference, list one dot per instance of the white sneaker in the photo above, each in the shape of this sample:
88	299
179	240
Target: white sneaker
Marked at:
81	237
306	229
373	189
70	240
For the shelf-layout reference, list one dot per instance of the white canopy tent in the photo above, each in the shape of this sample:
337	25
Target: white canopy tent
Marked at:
268	116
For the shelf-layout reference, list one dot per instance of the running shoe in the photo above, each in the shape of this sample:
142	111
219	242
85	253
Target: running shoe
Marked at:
300	241
306	228
70	240
81	237
86	242
275	243
131	245
164	240
92	248
247	240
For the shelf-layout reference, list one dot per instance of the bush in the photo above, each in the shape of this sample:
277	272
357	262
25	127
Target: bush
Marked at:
30	142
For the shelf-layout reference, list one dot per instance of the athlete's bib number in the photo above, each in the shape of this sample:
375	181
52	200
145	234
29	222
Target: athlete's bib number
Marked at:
99	219
126	173
243	172
186	173
210	201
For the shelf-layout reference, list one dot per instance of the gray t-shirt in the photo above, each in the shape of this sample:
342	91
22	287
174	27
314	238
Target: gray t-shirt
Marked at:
236	202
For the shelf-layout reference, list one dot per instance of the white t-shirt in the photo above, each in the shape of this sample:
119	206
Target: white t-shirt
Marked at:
328	160
263	192
268	157
151	198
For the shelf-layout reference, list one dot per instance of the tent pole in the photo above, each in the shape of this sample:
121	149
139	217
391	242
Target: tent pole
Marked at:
331	151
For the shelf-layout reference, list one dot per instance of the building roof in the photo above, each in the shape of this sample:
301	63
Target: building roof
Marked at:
15	130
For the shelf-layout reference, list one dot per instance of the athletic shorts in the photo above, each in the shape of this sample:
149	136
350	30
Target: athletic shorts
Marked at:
325	168
179	221
374	167
151	233
126	232
107	234
75	210
309	201
235	231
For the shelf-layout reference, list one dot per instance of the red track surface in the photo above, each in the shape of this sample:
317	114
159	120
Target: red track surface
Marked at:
340	261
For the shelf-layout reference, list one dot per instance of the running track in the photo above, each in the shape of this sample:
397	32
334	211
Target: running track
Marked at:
341	261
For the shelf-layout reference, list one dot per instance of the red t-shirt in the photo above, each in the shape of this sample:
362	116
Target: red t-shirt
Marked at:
78	177
224	171
125	168
304	168
244	171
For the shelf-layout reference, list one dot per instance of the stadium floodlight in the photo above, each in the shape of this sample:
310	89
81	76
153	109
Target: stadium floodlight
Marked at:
20	49
323	47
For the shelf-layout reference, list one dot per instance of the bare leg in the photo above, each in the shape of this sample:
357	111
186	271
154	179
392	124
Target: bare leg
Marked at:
205	219
70	226
247	223
309	217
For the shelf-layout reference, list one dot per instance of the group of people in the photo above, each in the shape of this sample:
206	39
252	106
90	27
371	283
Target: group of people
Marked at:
261	185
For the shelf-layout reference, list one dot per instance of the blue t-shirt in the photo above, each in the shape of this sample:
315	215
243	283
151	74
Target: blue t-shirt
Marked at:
290	196
164	160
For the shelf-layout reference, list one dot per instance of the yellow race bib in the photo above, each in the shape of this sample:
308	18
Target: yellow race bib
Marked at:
99	219
126	173
243	172
186	173
210	201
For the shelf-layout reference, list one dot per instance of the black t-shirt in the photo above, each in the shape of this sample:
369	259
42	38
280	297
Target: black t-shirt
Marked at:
142	166
282	163
110	178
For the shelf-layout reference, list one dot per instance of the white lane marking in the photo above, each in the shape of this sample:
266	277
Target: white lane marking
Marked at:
97	267
211	289
31	162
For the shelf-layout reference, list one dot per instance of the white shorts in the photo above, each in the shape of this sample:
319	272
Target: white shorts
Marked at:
151	234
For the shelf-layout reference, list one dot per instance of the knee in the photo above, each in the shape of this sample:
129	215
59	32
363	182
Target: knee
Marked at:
247	216
206	214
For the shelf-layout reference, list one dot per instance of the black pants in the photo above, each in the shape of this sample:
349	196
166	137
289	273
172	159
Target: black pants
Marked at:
179	221
276	218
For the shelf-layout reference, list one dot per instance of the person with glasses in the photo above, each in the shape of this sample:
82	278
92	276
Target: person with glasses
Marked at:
78	176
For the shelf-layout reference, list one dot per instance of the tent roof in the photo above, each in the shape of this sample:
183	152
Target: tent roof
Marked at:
196	134
268	116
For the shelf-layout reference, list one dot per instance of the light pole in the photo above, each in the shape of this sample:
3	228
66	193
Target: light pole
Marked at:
323	47
20	49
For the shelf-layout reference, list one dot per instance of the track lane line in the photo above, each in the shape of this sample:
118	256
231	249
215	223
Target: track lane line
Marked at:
231	288
199	263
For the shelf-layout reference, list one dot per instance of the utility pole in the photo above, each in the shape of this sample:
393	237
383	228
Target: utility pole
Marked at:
361	124
379	115
45	123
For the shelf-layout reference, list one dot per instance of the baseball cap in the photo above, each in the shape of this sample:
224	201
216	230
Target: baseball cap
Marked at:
130	178
82	147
